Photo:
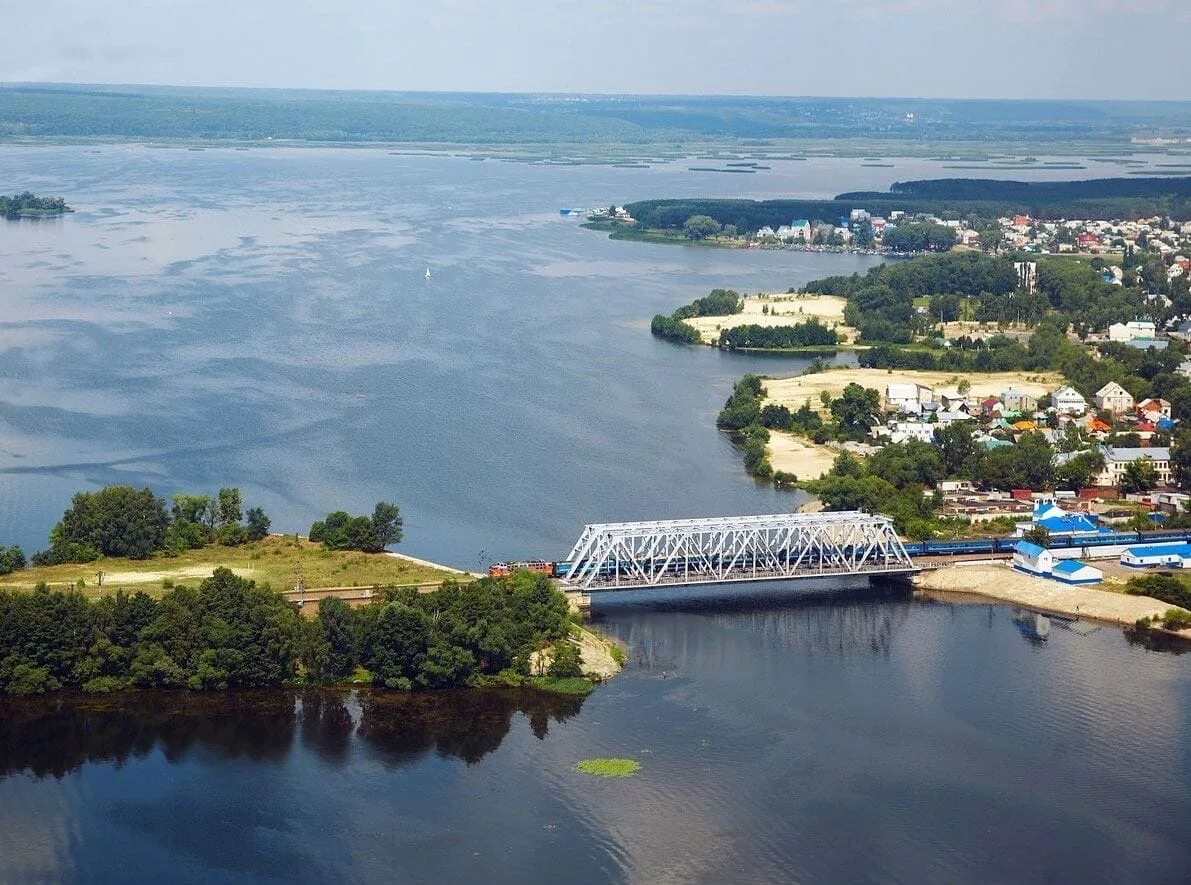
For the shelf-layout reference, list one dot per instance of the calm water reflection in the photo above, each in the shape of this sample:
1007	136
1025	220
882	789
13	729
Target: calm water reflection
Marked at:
853	736
59	735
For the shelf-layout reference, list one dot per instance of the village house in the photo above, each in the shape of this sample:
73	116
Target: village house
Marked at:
1068	401
1114	398
1018	401
906	398
947	417
1153	409
951	399
1132	330
905	431
1117	459
800	228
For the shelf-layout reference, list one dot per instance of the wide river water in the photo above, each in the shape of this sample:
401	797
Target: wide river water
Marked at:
262	318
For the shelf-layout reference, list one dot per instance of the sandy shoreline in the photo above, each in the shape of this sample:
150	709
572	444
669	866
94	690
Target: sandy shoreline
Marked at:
784	310
798	455
1001	582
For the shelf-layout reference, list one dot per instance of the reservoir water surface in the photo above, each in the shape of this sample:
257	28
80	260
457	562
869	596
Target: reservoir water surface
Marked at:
262	318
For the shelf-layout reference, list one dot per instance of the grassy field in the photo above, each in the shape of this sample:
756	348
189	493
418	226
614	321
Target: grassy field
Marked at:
274	561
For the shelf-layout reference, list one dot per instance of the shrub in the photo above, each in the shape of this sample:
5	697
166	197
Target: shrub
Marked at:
1164	588
565	661
1176	619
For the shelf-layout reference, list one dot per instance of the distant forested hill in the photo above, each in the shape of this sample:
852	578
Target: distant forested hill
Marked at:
73	111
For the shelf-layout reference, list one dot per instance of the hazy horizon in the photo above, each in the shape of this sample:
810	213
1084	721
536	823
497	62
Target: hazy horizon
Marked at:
931	49
114	84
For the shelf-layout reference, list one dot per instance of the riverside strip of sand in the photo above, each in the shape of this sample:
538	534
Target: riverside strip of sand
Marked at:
799	456
783	310
806	389
1000	581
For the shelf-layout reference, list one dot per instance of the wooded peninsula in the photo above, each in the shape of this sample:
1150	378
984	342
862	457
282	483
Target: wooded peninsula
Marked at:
228	631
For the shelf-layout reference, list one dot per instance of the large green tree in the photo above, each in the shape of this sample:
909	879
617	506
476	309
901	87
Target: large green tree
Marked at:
855	410
115	521
700	227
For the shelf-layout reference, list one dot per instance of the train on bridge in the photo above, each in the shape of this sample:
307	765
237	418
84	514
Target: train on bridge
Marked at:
961	547
970	546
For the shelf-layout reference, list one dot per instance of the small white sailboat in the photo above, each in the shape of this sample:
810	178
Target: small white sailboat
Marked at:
427	273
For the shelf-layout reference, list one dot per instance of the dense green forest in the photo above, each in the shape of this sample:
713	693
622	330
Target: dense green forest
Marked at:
948	198
28	205
231	633
39	110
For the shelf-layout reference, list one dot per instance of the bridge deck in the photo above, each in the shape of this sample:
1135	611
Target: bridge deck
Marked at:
611	556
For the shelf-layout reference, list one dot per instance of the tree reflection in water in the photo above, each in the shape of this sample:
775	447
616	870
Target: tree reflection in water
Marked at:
53	736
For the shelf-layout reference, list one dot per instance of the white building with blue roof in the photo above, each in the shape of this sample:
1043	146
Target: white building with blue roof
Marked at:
1032	559
1158	556
1060	522
1072	571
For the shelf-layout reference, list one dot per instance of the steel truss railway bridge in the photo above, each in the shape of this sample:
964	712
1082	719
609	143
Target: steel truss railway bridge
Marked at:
722	550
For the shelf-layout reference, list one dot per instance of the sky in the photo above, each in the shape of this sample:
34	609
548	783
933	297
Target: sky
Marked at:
930	48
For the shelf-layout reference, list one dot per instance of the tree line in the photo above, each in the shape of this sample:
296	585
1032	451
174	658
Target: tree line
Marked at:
918	237
810	333
136	523
229	632
968	199
718	302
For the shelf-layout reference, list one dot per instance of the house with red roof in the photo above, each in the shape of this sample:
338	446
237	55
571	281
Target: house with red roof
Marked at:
1153	409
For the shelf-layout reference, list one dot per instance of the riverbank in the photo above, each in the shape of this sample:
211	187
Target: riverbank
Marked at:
1002	582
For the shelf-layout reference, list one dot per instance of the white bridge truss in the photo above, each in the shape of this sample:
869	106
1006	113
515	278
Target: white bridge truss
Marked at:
670	552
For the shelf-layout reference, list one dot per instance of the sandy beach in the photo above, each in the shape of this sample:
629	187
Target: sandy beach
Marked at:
1002	582
805	389
784	310
798	455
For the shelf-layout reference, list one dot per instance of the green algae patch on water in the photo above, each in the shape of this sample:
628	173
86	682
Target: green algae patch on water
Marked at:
609	767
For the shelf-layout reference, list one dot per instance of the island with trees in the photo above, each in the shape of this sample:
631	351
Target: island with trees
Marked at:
28	205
